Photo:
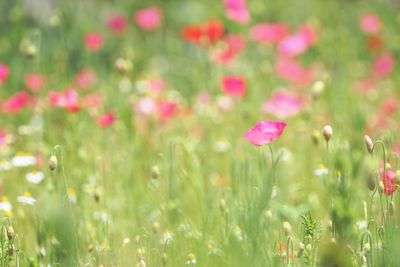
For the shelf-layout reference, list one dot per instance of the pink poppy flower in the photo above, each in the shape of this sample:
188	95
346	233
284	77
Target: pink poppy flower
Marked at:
290	70
148	19
384	65
117	24
156	86
2	138
236	10
389	182
389	106
166	110
235	44
268	33
4	72
370	24
265	132
16	103
234	86
106	120
86	79
146	106
93	41
283	105
34	82
67	100
92	101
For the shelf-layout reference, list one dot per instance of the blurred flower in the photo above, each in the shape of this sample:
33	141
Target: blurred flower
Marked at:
4	72
34	177
236	10
234	86
234	45
34	82
117	24
384	65
15	103
290	70
86	78
145	106
93	41
26	199
374	44
321	170
67	99
370	24
209	33
238	233
71	193
268	33
298	43
225	103
191	259
23	160
156	86
5	205
148	19
5	165
106	120
166	238
283	105
166	110
265	132
92	101
389	181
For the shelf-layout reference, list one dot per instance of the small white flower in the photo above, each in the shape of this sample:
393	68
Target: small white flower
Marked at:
26	199
5	206
34	177
166	238
23	160
322	170
101	216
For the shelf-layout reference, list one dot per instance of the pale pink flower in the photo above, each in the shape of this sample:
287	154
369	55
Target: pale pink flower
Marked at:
145	106
283	105
370	24
236	10
34	82
106	120
93	41
290	70
15	103
298	43
268	33
86	78
384	65
265	132
148	19
156	86
4	72
234	86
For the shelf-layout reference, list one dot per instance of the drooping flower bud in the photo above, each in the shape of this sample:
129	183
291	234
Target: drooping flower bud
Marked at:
327	132
368	143
53	162
10	233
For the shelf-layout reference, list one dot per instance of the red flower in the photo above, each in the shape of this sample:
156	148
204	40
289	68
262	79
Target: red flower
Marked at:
106	120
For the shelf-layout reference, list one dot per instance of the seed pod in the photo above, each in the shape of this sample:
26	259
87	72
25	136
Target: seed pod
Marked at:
287	228
368	143
327	132
53	162
155	172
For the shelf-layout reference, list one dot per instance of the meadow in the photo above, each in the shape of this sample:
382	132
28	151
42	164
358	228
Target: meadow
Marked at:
199	133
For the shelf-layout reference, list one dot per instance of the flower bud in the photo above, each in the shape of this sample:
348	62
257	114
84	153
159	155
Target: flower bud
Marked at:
327	132
53	162
368	143
287	228
155	172
301	250
10	233
367	248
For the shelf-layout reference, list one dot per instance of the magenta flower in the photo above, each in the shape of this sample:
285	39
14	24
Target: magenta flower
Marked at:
93	41
166	110
268	33
117	24
389	182
68	100
4	72
16	103
34	82
283	105
236	10
290	70
106	120
370	24
234	86
265	132
384	65
148	19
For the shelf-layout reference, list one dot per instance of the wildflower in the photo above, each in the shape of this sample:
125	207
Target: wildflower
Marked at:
106	120
191	259
265	132
234	86
86	78
26	199
290	70
212	249
166	110
71	193
384	65
34	177
370	24
283	105
67	99
5	165
93	41
225	103
23	160
297	44
301	250
369	144
267	33
321	170
236	10
287	228
5	205
238	233
123	65
148	19
327	132
15	103
10	232
155	172
166	237
101	216
4	73
53	162
117	24
387	182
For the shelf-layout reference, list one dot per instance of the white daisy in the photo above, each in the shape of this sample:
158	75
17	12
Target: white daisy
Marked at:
26	199
34	177
23	160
